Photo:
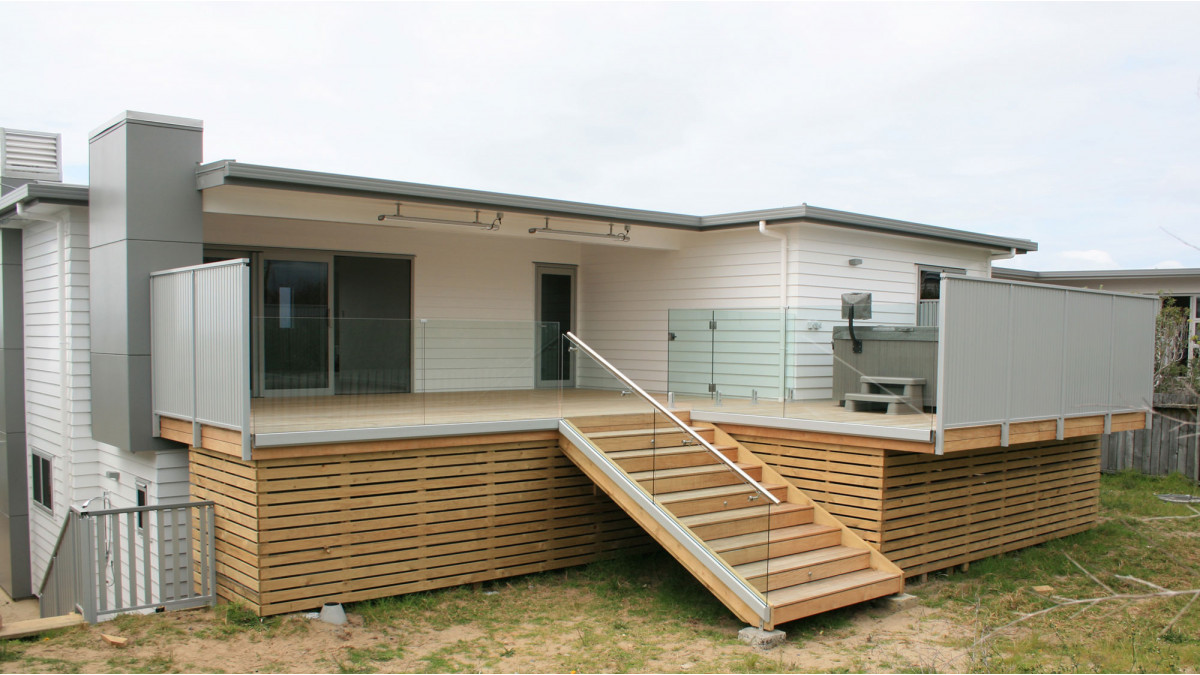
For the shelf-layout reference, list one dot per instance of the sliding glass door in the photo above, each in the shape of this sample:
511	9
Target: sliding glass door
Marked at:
334	324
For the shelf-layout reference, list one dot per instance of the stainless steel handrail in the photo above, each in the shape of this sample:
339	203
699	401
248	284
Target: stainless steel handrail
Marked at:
580	344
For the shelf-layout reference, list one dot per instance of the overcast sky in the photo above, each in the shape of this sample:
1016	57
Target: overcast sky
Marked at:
1076	125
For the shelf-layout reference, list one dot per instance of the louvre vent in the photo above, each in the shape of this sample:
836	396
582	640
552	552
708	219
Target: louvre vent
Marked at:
30	155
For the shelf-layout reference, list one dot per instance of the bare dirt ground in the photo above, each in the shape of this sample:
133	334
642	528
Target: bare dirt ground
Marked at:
871	638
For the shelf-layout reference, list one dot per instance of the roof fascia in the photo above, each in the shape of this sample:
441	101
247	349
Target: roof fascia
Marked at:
32	194
1100	275
228	172
231	172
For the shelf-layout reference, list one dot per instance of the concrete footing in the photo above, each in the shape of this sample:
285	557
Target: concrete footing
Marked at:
763	639
899	601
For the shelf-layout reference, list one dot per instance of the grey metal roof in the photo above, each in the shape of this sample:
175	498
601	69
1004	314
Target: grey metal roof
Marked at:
42	193
1011	273
230	172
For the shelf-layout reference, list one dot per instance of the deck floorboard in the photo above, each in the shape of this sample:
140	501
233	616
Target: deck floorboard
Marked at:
322	413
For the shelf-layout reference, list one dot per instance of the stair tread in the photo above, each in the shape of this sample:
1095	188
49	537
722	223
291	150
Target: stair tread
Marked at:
737	514
686	471
775	536
827	586
673	450
621	433
798	560
719	491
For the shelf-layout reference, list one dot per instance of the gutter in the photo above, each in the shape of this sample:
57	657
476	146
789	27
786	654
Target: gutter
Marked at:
13	205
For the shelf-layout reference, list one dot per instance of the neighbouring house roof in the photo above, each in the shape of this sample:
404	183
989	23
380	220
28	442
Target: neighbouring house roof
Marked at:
230	172
32	194
1094	275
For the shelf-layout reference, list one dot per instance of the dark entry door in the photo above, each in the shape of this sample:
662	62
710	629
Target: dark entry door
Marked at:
373	333
555	316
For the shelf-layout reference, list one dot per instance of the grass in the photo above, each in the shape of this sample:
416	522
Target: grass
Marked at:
1109	636
645	613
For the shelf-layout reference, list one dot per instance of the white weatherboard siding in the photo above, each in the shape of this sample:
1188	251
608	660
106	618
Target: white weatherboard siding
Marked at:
57	372
475	290
58	391
821	272
628	295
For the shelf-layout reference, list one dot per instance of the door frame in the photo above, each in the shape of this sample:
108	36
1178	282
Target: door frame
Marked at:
567	270
412	307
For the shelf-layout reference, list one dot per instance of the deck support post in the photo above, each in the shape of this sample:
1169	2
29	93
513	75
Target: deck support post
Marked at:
1060	429
1004	434
1108	422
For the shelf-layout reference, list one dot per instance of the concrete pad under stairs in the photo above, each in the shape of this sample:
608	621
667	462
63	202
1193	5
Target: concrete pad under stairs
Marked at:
793	558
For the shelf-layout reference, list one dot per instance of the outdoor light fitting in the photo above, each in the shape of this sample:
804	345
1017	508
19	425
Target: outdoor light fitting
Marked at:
492	226
619	236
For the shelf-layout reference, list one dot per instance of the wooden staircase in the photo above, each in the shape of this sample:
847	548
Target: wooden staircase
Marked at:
769	563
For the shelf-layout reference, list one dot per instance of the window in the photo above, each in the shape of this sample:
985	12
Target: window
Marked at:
929	280
43	481
143	499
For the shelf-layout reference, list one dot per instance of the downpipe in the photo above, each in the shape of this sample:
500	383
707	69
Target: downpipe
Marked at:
783	300
783	260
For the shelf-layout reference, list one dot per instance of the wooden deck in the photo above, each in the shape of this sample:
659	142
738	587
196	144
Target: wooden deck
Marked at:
324	413
927	513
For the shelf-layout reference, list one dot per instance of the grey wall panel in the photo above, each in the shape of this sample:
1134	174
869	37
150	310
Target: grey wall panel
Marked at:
145	258
1090	326
168	205
106	187
14	486
1035	382
172	358
976	336
12	335
1133	349
126	378
1017	351
145	215
15	465
12	390
222	381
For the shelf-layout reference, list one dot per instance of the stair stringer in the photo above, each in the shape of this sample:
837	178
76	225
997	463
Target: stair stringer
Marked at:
706	566
820	515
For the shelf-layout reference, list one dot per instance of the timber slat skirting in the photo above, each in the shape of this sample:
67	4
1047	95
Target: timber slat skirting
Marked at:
929	512
294	532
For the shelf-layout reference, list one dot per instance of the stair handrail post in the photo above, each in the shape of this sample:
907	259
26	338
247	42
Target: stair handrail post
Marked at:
687	428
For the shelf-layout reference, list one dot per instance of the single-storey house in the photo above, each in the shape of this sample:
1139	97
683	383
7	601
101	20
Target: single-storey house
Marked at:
284	387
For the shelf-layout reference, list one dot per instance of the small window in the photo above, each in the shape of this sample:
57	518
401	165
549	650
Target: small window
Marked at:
43	481
143	499
929	281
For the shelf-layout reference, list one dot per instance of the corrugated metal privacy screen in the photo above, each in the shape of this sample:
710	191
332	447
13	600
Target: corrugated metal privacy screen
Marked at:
1012	351
199	346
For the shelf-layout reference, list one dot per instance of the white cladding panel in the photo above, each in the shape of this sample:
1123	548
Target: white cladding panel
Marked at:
628	294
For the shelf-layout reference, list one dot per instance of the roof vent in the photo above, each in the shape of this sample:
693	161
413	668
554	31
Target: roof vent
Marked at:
27	156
